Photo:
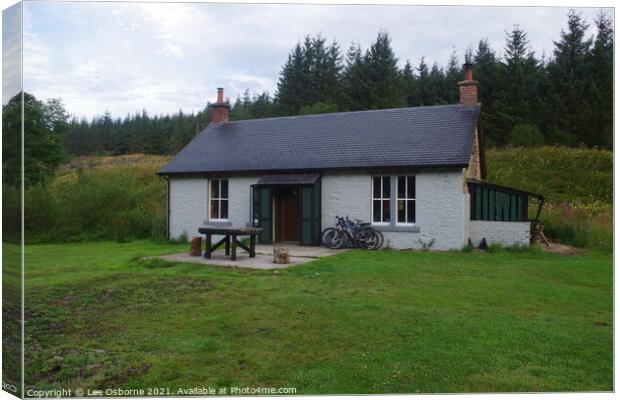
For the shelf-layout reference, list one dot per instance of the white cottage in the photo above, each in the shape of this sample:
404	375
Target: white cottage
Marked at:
415	173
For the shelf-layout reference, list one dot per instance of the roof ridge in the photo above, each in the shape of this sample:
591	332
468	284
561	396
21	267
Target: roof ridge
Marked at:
345	112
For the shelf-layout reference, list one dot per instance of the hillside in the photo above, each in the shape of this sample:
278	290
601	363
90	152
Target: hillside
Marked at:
85	162
122	198
559	173
578	185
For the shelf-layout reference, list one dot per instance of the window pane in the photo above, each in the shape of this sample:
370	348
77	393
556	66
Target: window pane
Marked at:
401	210
224	188
224	209
215	209
411	187
386	211
386	187
376	187
376	210
215	188
411	211
401	187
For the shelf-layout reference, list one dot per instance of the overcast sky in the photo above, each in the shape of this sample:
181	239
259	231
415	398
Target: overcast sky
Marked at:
123	57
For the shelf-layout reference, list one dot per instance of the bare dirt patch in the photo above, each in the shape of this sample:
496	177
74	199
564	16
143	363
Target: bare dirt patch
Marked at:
559	248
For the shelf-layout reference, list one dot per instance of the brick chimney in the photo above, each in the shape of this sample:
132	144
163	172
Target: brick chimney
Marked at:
220	108
468	88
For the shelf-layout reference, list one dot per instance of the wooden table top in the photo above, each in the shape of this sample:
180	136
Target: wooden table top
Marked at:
230	230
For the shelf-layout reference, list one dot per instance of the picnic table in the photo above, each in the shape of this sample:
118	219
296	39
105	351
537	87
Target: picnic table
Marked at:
230	240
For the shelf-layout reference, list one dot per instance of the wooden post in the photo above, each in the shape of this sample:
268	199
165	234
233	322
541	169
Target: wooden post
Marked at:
196	247
208	245
233	255
252	245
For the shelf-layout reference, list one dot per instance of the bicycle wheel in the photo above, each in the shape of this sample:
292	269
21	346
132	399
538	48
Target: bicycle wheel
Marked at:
380	239
370	239
366	239
324	233
333	238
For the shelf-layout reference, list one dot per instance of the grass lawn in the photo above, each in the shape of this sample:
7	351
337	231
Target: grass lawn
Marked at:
359	322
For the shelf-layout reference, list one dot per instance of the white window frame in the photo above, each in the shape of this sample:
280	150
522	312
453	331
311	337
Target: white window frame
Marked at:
381	222
219	200
406	199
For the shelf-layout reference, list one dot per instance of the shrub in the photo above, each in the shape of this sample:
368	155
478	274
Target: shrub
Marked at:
159	232
495	248
468	248
581	225
112	202
11	214
123	230
526	135
558	137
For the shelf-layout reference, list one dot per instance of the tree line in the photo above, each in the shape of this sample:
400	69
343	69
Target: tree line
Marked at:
138	133
564	98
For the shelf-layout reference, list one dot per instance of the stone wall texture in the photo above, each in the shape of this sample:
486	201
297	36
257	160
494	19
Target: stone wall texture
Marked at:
441	208
500	232
189	205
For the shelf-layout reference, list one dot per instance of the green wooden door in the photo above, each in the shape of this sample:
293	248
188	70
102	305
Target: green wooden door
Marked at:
311	215
261	206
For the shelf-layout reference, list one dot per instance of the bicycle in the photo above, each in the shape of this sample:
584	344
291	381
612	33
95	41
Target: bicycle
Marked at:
359	233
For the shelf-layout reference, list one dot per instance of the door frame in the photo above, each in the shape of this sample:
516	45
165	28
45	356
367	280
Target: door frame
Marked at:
315	208
316	211
277	211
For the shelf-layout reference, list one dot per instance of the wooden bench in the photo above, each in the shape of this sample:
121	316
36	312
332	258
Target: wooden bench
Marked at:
230	240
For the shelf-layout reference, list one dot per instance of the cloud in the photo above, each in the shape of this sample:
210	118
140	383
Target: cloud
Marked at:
162	57
11	52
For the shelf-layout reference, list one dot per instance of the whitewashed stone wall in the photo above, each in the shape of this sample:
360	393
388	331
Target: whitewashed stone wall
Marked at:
500	232
239	189
189	203
441	206
442	209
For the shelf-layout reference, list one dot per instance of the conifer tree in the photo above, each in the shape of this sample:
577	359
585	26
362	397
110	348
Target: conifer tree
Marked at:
311	74
569	79
517	94
293	82
566	97
601	85
485	72
383	85
436	80
424	91
454	74
409	84
353	80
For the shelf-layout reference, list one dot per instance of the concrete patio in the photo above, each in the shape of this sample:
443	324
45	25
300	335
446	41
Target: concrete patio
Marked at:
264	256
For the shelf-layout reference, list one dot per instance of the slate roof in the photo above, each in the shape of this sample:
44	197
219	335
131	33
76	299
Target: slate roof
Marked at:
402	137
